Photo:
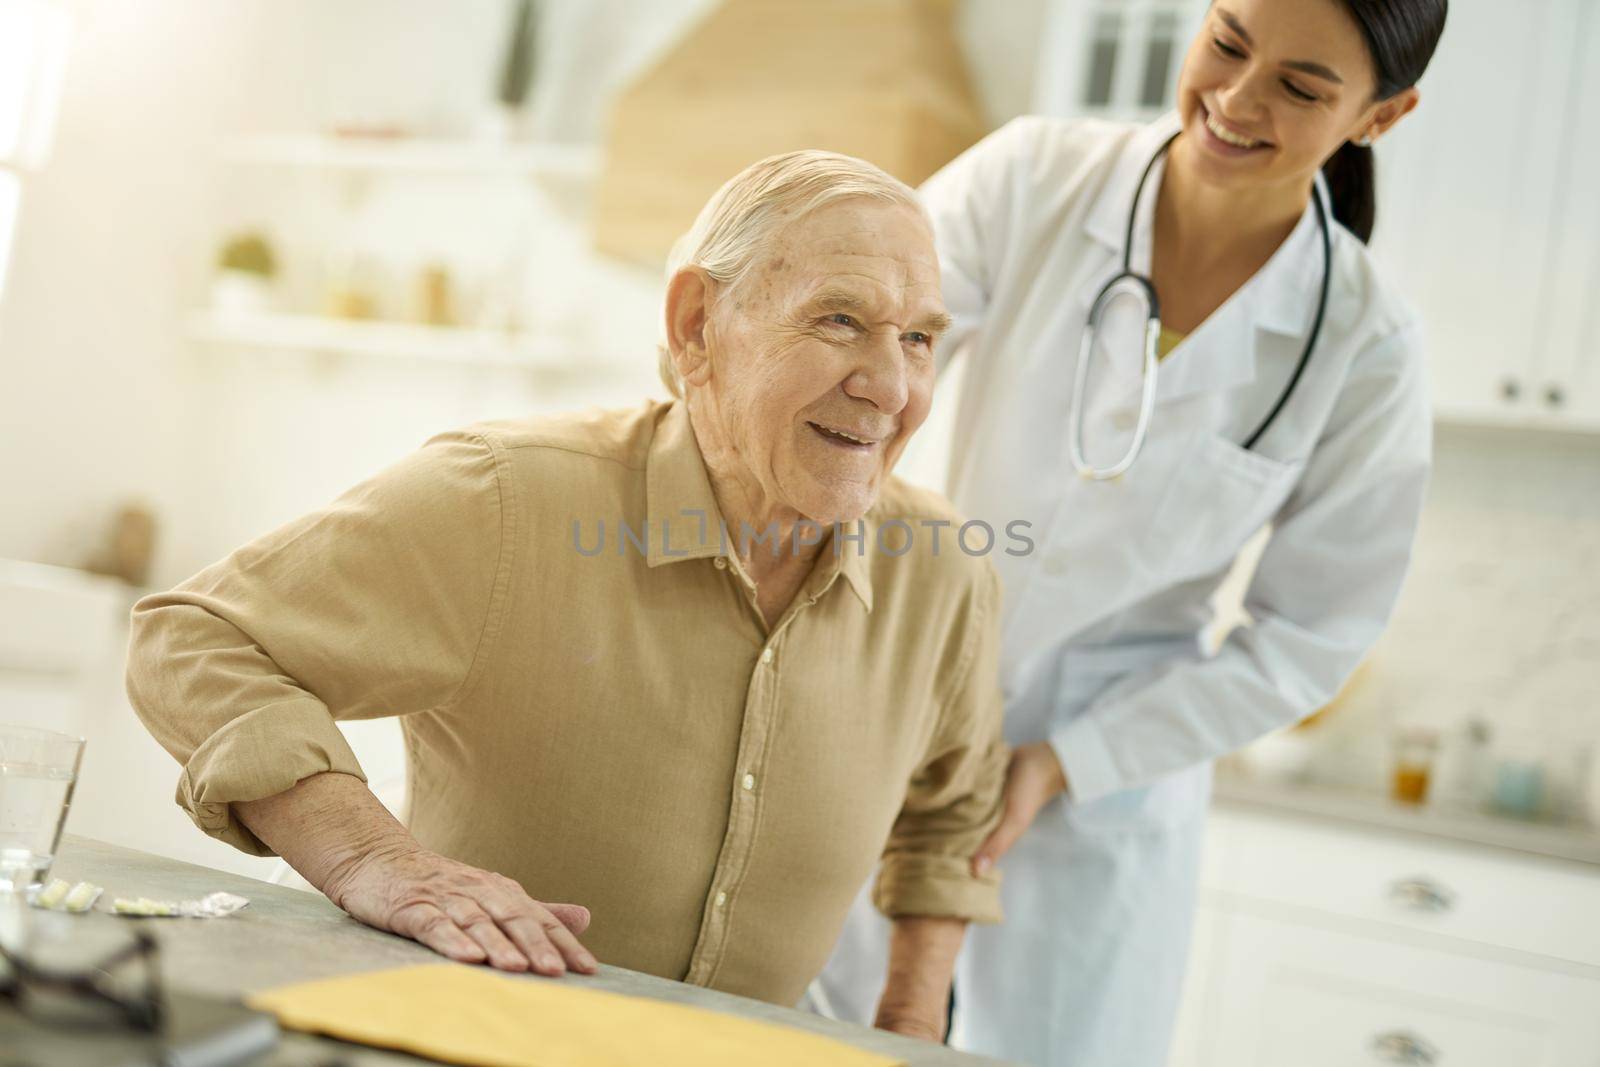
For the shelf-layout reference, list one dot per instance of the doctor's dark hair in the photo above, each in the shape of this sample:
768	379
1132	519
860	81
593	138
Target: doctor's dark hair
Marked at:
1401	36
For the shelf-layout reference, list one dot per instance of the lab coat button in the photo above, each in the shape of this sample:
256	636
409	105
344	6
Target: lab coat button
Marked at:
1125	420
1055	563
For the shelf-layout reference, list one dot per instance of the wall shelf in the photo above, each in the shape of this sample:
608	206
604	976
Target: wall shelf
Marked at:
391	340
415	155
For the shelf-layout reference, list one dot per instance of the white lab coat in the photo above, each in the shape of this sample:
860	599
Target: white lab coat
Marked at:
1104	654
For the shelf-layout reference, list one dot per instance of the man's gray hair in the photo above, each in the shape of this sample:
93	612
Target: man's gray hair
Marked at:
744	215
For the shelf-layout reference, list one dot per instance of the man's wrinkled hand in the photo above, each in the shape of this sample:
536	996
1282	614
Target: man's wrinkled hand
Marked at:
461	912
1033	779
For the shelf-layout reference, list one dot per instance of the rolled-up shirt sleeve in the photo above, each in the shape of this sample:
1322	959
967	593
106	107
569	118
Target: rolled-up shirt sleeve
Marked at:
954	799
382	603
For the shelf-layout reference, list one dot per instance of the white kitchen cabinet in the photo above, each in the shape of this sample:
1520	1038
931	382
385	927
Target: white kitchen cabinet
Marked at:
1326	943
1468	211
1193	1034
1566	377
1293	993
1413	885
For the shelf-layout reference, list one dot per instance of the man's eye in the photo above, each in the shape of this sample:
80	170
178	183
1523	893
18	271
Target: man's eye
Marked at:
1227	49
916	338
841	319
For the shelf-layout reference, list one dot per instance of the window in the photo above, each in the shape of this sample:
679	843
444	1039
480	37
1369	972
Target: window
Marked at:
33	54
1160	43
1103	58
1115	58
10	196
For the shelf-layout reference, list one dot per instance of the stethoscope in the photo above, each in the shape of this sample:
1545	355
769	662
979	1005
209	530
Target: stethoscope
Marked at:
1138	285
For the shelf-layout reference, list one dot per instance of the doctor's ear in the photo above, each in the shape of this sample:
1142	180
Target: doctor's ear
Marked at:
1385	114
689	296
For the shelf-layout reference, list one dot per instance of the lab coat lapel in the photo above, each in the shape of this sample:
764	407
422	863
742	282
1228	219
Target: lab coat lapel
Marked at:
1227	350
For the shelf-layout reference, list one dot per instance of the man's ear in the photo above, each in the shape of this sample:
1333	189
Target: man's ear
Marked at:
689	295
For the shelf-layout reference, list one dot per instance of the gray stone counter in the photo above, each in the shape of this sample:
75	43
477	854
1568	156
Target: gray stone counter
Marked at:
287	935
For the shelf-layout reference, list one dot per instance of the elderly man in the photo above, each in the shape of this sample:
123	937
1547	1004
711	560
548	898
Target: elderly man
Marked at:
703	728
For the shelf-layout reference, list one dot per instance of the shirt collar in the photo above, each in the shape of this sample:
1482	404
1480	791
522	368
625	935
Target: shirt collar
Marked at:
853	558
680	509
684	522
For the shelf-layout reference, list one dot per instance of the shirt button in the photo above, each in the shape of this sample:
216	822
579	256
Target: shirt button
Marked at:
722	563
749	782
766	655
722	898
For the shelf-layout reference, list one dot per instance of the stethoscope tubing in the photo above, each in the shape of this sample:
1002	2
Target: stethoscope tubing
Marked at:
1130	277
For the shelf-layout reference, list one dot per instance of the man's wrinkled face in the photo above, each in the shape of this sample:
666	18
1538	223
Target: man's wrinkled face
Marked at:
822	356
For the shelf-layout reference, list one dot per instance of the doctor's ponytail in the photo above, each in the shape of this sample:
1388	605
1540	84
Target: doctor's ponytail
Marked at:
1401	36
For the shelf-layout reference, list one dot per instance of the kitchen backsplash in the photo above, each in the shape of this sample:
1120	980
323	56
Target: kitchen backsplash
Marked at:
1500	618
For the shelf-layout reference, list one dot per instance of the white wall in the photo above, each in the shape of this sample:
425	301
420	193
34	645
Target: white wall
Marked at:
103	397
103	264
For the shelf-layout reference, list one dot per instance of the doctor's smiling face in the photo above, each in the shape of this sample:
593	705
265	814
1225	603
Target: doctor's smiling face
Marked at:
807	376
1271	88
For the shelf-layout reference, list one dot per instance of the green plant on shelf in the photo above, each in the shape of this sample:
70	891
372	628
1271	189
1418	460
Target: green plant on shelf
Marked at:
248	253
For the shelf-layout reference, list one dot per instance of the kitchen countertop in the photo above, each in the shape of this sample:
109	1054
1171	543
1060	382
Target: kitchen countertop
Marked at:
1569	841
289	935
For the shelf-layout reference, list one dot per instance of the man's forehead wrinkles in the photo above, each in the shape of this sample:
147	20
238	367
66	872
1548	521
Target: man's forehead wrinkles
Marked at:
851	281
892	303
869	253
868	267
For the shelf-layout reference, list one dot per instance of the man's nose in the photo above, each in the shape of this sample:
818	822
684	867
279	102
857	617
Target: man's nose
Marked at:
881	376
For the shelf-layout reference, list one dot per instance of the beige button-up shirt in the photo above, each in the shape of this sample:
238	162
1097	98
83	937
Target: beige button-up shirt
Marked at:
609	724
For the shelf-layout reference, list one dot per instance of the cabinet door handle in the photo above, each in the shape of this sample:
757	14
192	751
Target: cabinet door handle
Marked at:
1420	894
1554	395
1397	1046
1510	389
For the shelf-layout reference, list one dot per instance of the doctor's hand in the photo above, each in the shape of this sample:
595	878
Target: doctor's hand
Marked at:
1033	778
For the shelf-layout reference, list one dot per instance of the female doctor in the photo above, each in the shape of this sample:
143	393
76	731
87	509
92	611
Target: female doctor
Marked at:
1289	391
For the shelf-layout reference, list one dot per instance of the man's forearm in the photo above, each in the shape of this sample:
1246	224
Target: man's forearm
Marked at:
922	958
323	825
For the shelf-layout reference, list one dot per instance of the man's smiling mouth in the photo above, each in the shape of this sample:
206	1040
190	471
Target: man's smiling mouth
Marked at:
843	438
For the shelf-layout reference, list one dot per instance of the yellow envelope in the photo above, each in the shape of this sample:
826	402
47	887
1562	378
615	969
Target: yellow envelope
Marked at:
480	1018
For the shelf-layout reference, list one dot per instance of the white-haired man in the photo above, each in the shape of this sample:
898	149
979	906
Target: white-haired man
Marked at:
638	666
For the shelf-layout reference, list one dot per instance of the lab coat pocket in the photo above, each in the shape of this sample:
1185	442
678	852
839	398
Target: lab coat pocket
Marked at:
1218	497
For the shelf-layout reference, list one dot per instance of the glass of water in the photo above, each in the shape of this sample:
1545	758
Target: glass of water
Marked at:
38	769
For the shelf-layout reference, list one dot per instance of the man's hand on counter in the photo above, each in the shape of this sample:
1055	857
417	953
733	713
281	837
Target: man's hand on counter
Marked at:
461	912
332	830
